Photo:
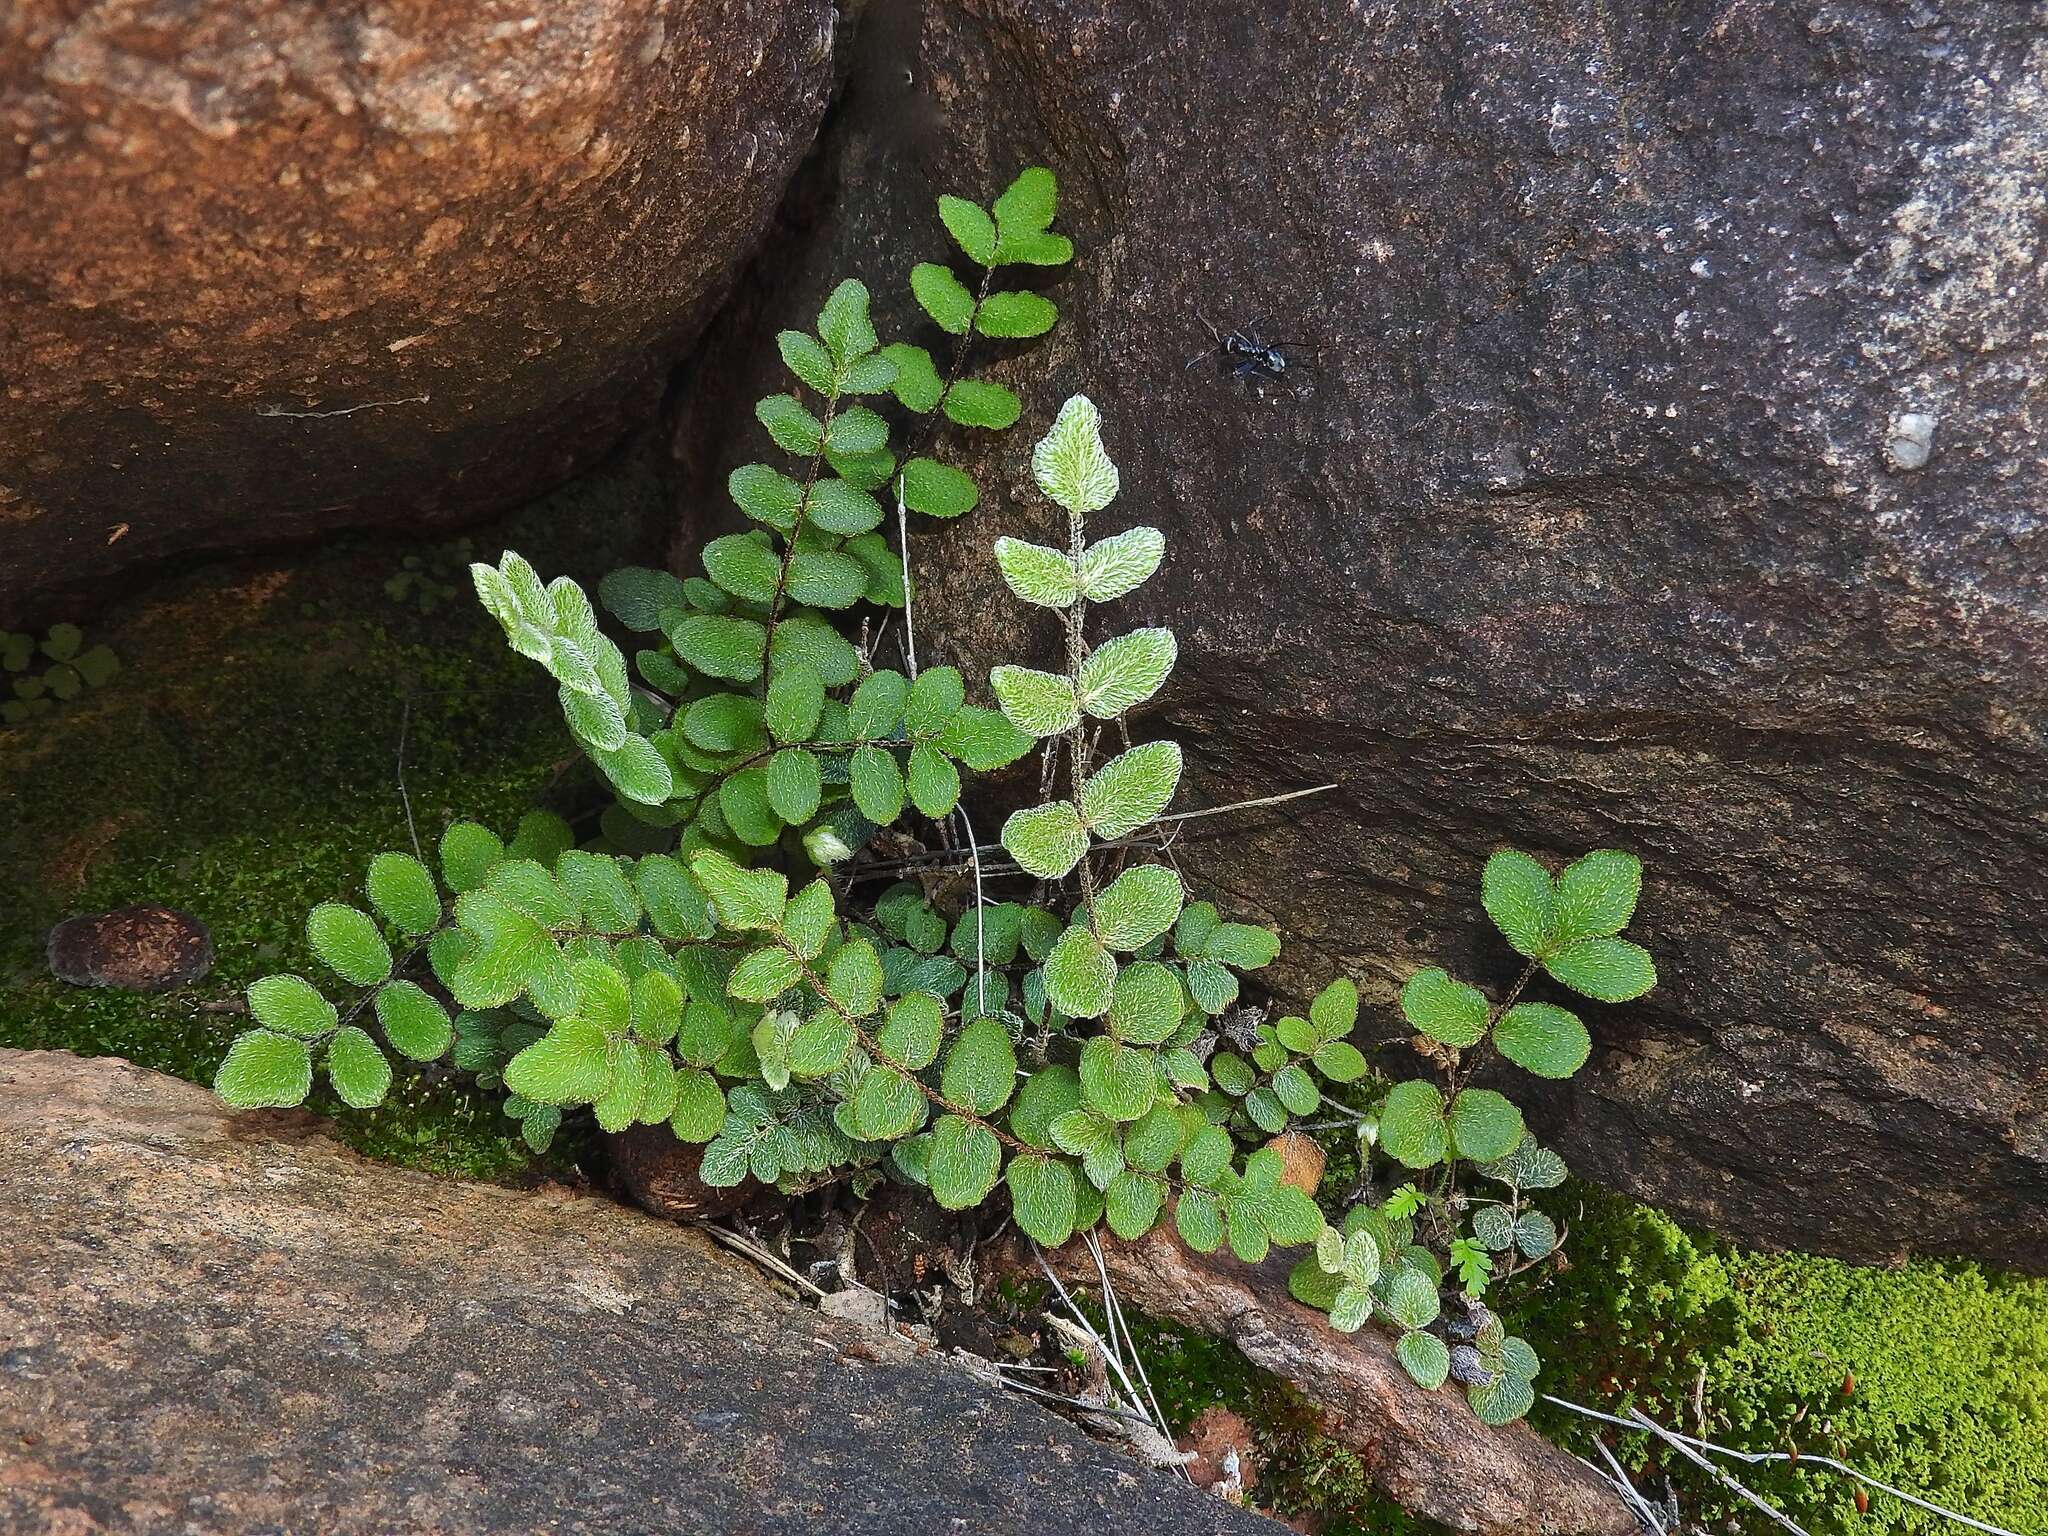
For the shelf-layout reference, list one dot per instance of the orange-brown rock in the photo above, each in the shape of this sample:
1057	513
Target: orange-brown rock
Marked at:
274	267
1225	1463
1424	1449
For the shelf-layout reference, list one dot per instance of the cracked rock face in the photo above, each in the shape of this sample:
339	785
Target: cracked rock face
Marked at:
272	269
1660	468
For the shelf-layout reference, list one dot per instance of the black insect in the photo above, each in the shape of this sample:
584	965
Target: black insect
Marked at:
1252	362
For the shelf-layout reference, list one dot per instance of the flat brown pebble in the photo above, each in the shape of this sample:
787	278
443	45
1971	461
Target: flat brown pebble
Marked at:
146	948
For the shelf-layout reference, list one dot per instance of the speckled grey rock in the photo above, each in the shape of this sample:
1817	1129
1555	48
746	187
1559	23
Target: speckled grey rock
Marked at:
1662	468
233	1324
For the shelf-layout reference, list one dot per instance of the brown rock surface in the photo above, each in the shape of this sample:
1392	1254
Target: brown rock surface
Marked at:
1600	508
1424	1449
273	269
233	1324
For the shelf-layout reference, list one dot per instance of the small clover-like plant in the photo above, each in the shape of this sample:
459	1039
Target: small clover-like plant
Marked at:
1568	926
72	668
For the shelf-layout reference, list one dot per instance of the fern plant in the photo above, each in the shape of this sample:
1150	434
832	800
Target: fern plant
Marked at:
729	957
1390	1261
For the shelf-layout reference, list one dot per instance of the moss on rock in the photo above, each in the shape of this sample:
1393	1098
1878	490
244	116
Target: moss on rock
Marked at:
244	766
1932	1375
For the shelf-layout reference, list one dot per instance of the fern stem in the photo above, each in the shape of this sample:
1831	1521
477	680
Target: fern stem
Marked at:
1077	653
803	510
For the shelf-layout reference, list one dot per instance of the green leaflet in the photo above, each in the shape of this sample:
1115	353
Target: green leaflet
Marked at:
721	646
810	637
1119	1081
1120	564
934	698
910	1038
916	383
291	1005
1080	975
979	403
763	975
1483	1124
983	739
1425	1357
360	1073
1412	1124
416	1025
1015	315
264	1070
1042	1198
794	783
981	1068
1146	1004
1039	703
965	1159
1131	789
1035	574
809	919
824	578
888	1105
1070	463
1137	907
877	705
853	978
1132	1203
943	297
1047	840
567	1065
971	228
933	781
597	884
844	509
1198	1217
938	490
1123	673
349	943
805	356
1609	970
1520	897
403	892
856	430
745	565
1544	1039
1445	1010
741	898
699	1113
764	494
877	784
794	429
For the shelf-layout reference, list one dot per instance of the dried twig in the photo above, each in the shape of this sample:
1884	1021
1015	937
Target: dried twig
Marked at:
1689	1445
761	1256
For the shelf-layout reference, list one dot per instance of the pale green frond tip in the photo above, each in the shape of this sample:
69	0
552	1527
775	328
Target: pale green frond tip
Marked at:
1070	463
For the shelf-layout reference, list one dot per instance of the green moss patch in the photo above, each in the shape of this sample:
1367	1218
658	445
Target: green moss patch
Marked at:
1932	1376
244	765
